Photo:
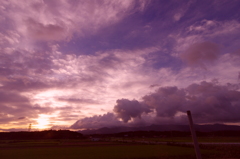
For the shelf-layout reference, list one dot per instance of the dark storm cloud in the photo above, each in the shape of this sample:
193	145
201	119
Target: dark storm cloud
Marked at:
166	101
127	109
209	102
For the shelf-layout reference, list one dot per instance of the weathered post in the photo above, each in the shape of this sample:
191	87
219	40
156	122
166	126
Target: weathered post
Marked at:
194	137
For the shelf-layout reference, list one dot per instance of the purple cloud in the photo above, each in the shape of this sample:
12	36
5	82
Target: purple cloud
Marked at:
61	61
169	105
127	109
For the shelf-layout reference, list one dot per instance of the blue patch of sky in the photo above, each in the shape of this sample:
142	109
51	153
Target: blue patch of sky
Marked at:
218	10
160	59
150	27
136	31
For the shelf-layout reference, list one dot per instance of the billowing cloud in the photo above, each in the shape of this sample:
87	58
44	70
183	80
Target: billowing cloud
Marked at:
202	99
97	121
127	109
169	105
166	101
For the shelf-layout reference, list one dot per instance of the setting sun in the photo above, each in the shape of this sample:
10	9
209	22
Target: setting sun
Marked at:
42	122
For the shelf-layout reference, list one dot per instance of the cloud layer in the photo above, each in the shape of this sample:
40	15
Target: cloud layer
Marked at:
67	61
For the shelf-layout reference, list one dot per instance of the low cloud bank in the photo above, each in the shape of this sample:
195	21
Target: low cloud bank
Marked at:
97	121
209	102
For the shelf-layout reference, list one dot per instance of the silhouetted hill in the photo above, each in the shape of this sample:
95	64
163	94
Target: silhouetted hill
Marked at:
217	127
49	134
185	128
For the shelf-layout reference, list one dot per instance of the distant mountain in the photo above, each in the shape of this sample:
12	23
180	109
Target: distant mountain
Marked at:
202	128
217	127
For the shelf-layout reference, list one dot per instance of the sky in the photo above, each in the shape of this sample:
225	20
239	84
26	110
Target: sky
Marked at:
86	64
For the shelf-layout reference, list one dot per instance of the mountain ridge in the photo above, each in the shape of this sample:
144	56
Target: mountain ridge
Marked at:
153	127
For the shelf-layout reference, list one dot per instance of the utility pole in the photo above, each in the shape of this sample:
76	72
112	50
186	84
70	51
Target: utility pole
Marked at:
29	127
194	137
238	76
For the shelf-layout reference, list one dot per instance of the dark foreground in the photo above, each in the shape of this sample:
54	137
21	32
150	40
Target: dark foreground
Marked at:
85	149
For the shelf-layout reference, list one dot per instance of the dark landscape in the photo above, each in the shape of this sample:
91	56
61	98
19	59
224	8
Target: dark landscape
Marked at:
171	142
181	128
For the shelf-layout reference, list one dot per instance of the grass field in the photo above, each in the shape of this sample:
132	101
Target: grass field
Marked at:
82	149
186	139
98	152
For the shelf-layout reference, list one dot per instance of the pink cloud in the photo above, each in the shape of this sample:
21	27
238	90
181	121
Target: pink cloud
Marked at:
97	121
40	31
59	20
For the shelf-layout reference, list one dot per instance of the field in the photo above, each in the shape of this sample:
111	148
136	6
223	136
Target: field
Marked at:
85	149
186	139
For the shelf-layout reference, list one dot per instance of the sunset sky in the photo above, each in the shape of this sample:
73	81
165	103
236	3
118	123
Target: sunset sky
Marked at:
80	64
